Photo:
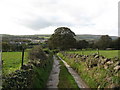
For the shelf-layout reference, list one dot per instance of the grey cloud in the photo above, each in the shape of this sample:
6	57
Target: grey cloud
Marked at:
37	24
56	9
43	23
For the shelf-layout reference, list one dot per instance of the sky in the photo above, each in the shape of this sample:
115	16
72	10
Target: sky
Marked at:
28	17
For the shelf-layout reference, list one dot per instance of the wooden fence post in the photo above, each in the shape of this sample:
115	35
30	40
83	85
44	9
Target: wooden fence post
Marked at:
81	52
98	51
22	57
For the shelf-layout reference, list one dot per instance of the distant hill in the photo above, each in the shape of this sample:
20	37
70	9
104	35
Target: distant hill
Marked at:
7	37
87	37
91	37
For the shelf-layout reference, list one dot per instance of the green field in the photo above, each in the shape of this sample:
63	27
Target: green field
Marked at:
106	53
12	61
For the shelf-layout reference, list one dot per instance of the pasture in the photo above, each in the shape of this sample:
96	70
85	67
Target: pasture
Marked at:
12	61
106	53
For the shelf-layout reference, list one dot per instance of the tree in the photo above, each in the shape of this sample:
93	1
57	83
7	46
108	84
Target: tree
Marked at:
5	46
82	44
116	44
63	38
104	42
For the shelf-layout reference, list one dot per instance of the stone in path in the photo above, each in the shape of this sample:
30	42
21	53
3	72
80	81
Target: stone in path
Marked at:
54	75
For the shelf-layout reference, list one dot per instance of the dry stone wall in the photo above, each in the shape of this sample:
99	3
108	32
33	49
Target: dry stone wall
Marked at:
110	67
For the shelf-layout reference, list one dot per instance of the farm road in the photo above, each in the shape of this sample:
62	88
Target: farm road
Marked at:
54	75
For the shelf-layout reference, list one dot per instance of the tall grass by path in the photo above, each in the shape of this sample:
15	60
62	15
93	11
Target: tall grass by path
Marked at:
106	53
12	61
65	78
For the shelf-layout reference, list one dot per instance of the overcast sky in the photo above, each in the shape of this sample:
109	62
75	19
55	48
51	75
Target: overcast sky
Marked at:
22	17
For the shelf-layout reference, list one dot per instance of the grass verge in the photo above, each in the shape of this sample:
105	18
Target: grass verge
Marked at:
65	78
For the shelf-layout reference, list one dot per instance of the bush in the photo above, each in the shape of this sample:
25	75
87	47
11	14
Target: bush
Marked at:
55	51
46	50
20	79
37	53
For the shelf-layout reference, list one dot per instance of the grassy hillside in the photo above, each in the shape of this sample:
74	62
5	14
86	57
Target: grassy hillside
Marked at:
13	37
91	37
78	37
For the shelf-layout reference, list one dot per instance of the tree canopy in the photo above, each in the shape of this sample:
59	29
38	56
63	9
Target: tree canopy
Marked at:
104	42
81	44
62	38
116	44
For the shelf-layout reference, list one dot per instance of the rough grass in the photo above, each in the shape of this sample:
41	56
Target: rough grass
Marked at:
106	53
65	78
12	61
95	77
81	69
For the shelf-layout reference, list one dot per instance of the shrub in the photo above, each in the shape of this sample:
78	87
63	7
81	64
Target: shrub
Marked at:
37	53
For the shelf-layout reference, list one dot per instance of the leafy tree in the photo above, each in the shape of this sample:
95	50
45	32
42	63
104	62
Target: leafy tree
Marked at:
63	38
16	47
104	42
116	44
82	44
5	46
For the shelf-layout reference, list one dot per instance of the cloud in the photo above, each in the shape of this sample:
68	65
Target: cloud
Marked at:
40	23
83	16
